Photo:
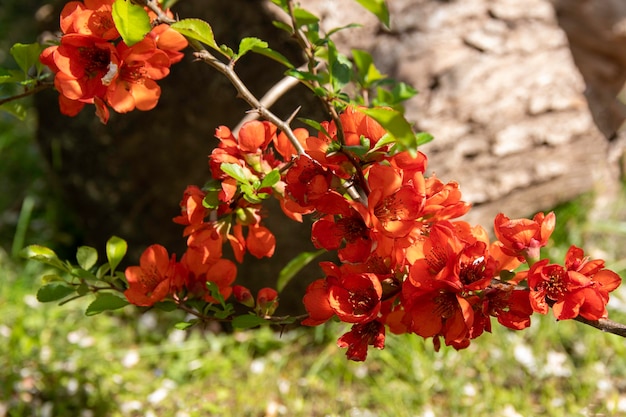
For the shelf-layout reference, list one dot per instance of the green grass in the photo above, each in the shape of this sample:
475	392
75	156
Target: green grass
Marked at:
54	361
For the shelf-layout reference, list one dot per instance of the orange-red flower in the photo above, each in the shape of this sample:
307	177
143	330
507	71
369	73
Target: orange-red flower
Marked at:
394	206
580	288
91	17
524	237
156	276
81	62
360	337
133	84
198	272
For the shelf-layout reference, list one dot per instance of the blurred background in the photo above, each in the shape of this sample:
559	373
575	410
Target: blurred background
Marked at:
524	101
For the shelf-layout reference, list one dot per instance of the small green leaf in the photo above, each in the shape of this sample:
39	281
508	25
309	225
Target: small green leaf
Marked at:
270	179
378	8
86	257
105	302
270	53
184	325
27	56
340	68
131	20
53	292
102	270
116	250
237	172
294	266
82	274
304	17
423	138
198	30
366	70
215	292
283	26
248	44
50	278
396	126
248	321
44	255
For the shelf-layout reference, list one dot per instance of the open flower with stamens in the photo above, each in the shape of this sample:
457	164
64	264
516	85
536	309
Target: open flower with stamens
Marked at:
580	288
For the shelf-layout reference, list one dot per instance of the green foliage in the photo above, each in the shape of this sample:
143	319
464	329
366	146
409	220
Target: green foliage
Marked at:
379	8
105	302
294	266
131	20
198	30
116	250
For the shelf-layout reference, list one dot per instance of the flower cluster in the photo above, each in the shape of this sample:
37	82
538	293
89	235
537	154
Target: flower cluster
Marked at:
92	65
407	264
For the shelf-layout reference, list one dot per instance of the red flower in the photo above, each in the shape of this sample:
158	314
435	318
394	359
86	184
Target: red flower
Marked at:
344	223
355	298
133	84
266	301
156	276
222	272
81	62
394	207
580	288
193	211
93	17
360	337
307	181
317	304
524	237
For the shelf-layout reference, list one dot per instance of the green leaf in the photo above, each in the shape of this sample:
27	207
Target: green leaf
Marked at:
49	278
102	270
44	255
236	171
131	20
27	56
340	68
198	30
53	292
184	325
86	257
378	7
366	70
270	53
215	292
105	302
82	274
423	138
247	44
284	26
294	266
304	17
116	250
270	179
397	126
248	321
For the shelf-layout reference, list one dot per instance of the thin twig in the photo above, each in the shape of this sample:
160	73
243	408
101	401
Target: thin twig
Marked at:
271	97
207	57
34	90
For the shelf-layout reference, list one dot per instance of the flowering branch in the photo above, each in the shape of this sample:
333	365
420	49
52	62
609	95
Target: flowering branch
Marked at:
244	93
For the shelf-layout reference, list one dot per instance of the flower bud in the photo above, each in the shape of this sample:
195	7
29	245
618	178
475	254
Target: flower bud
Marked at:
266	301
243	296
